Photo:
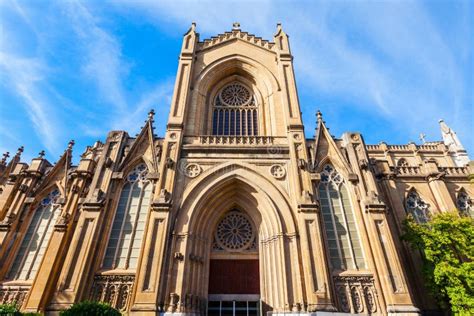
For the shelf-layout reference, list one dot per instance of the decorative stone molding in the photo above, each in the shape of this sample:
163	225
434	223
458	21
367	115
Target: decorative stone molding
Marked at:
373	203
163	203
192	170
356	294
277	171
113	289
435	176
13	295
61	223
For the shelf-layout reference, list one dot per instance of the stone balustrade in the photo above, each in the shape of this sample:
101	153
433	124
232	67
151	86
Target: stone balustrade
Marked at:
455	171
236	140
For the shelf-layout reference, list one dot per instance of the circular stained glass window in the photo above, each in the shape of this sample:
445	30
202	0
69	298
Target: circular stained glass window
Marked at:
235	232
235	94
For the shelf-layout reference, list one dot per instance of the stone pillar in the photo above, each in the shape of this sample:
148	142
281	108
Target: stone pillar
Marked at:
395	296
438	187
84	257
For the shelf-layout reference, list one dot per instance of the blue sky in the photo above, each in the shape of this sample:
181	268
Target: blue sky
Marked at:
77	69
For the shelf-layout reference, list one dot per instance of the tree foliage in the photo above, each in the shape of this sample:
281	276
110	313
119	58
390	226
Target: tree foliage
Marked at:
447	246
90	308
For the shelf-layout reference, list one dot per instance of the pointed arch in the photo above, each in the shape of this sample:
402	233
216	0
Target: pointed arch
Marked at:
125	238
464	203
416	206
274	205
247	70
342	235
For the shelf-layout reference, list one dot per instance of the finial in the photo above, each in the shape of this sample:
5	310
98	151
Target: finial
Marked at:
41	154
70	144
440	121
236	26
151	114
193	26
319	115
5	157
278	26
422	138
20	150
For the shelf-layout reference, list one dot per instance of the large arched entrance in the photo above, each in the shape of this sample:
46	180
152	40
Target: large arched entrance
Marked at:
219	191
234	283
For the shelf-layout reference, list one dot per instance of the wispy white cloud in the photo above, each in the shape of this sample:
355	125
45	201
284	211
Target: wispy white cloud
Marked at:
103	63
25	77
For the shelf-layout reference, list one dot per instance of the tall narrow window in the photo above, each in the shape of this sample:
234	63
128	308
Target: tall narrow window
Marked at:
235	112
464	204
126	236
417	207
36	240
345	249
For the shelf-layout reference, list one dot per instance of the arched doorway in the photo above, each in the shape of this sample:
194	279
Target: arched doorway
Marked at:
234	279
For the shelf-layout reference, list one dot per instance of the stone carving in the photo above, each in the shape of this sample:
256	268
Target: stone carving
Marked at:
192	170
13	295
235	232
356	294
277	171
113	289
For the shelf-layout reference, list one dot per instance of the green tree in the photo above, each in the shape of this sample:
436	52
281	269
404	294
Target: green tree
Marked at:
88	308
447	246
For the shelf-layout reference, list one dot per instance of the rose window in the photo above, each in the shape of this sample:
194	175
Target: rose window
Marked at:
234	232
235	95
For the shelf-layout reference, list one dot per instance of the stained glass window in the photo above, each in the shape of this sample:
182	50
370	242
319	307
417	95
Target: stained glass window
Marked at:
32	248
235	112
344	246
128	227
417	207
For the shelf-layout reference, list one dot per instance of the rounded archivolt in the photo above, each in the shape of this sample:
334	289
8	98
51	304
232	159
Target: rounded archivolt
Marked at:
235	94
235	232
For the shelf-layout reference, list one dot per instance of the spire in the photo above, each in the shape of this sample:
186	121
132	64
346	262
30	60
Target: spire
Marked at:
449	137
281	40
19	151
151	115
3	162
70	144
319	116
451	140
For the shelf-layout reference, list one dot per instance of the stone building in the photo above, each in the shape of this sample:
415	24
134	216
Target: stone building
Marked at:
233	211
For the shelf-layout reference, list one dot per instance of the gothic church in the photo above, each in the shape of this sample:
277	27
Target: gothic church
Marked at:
233	211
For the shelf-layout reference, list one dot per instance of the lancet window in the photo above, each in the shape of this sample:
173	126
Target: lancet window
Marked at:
126	236
235	111
344	245
417	207
464	204
33	246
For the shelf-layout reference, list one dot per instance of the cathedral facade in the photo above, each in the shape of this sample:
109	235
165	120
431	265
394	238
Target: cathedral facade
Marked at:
233	211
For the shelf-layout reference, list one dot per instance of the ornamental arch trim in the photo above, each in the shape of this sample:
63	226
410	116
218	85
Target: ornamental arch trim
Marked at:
273	207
